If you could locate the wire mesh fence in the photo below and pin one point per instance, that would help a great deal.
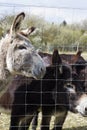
(67, 26)
(61, 28)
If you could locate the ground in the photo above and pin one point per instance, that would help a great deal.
(73, 122)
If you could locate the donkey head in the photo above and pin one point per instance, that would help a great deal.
(17, 54)
(63, 75)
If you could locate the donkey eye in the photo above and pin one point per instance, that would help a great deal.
(70, 85)
(11, 41)
(21, 47)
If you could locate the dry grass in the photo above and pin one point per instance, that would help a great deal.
(84, 55)
(73, 122)
(4, 122)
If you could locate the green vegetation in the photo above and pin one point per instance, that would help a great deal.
(67, 38)
(64, 36)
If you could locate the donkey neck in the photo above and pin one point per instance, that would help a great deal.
(4, 83)
(4, 73)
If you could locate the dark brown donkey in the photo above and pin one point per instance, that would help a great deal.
(50, 95)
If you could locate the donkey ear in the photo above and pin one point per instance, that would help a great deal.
(76, 57)
(27, 31)
(56, 59)
(17, 22)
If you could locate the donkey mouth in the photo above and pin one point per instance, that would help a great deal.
(38, 75)
(34, 74)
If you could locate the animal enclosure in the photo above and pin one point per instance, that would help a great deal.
(63, 29)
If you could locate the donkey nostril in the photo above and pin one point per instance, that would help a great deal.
(41, 69)
(86, 109)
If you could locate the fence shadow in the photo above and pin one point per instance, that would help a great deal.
(77, 128)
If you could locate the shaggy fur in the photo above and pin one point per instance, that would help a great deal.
(18, 56)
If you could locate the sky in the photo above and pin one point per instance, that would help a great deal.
(51, 10)
(57, 3)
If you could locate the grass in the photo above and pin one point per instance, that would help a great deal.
(75, 122)
(72, 122)
(84, 55)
